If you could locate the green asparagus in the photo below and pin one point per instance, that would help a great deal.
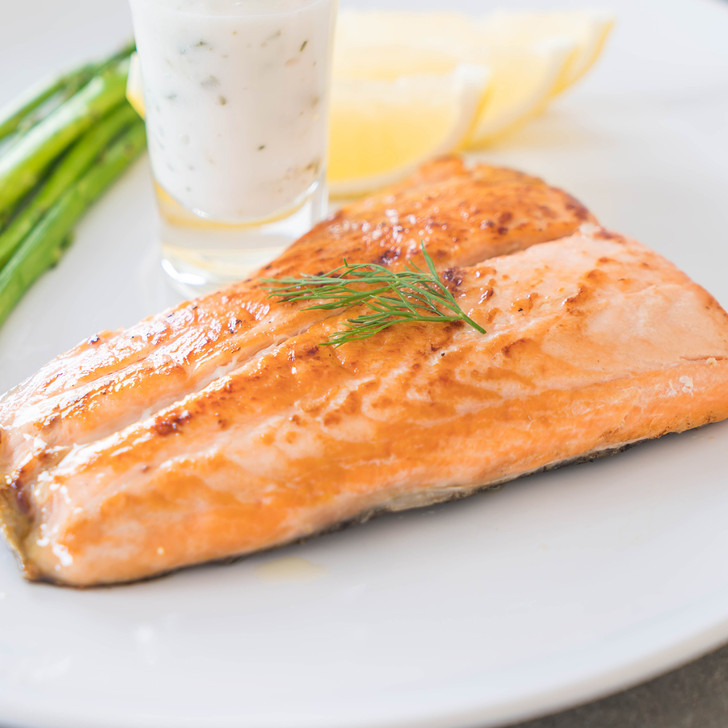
(15, 114)
(71, 166)
(23, 165)
(43, 247)
(20, 115)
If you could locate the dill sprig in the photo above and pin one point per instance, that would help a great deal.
(392, 297)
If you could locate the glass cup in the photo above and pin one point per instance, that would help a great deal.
(236, 97)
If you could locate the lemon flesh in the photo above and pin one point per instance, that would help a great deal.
(382, 130)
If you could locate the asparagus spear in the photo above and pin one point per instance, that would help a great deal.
(45, 244)
(123, 53)
(24, 163)
(16, 112)
(63, 176)
(21, 114)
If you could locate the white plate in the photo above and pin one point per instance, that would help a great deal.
(555, 590)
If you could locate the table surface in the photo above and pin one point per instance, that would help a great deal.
(695, 696)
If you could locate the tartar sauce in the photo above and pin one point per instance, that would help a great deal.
(236, 96)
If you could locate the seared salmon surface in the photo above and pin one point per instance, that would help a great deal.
(112, 380)
(592, 342)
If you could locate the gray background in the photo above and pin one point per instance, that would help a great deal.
(695, 696)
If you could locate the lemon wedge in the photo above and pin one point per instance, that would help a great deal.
(525, 77)
(449, 32)
(389, 61)
(134, 89)
(532, 56)
(383, 129)
(586, 29)
(525, 66)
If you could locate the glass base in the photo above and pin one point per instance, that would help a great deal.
(200, 255)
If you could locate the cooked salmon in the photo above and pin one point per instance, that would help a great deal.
(592, 342)
(113, 380)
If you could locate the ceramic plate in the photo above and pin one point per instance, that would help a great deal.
(554, 590)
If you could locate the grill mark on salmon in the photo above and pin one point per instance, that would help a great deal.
(615, 346)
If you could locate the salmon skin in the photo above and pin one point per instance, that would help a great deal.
(593, 342)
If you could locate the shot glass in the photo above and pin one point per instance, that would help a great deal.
(236, 98)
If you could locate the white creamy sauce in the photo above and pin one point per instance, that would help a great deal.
(236, 95)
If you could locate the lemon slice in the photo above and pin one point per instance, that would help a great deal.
(134, 90)
(446, 31)
(532, 56)
(385, 61)
(587, 29)
(593, 37)
(524, 80)
(383, 129)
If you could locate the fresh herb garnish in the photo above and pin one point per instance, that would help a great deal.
(392, 297)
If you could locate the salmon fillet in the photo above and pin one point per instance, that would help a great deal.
(593, 342)
(113, 380)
